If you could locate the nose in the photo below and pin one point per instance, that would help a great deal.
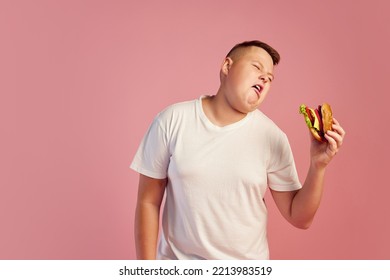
(264, 78)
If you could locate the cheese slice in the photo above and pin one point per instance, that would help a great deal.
(316, 123)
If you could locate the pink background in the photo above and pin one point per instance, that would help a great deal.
(80, 82)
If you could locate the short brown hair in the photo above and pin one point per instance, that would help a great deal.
(255, 43)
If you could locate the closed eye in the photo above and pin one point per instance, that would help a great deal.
(269, 78)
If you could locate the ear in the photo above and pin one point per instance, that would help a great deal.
(226, 65)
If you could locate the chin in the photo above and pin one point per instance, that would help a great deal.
(249, 108)
(254, 106)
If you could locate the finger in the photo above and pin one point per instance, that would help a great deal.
(336, 121)
(332, 145)
(337, 137)
(336, 126)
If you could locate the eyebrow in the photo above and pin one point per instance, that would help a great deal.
(273, 77)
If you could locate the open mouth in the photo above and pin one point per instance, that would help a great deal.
(258, 89)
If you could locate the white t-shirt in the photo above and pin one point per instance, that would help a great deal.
(217, 178)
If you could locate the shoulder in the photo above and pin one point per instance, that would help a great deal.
(267, 125)
(176, 114)
(178, 108)
(269, 131)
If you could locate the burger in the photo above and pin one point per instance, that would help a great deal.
(319, 120)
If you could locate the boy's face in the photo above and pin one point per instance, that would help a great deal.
(247, 78)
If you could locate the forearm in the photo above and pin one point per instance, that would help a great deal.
(307, 200)
(146, 230)
(299, 207)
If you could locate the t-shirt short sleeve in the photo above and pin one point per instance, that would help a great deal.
(282, 174)
(152, 156)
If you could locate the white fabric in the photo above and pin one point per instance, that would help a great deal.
(218, 176)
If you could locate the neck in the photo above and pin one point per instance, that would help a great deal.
(219, 111)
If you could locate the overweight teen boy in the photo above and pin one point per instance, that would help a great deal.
(214, 157)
